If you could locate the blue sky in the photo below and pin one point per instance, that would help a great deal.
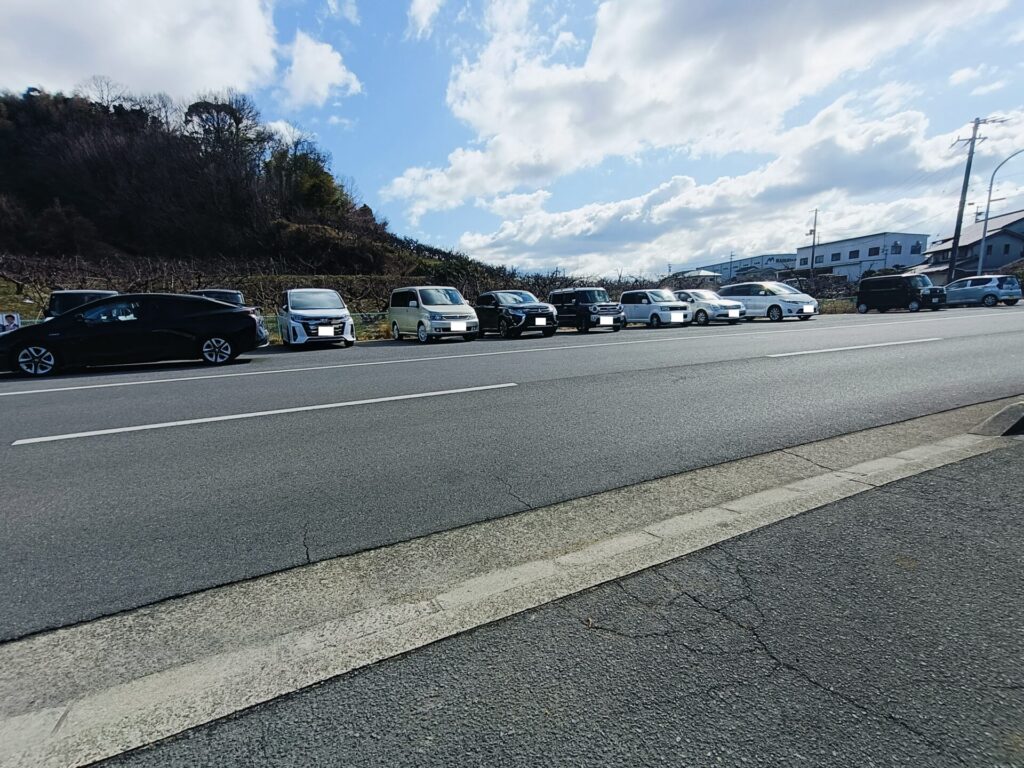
(591, 136)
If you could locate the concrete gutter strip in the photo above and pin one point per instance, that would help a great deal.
(83, 693)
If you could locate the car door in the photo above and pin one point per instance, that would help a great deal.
(282, 315)
(487, 311)
(746, 294)
(629, 306)
(566, 310)
(955, 292)
(115, 331)
(973, 290)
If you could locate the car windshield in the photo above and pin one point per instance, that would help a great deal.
(705, 295)
(592, 296)
(921, 281)
(516, 297)
(435, 297)
(781, 289)
(660, 295)
(316, 300)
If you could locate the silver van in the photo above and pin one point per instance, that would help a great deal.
(431, 312)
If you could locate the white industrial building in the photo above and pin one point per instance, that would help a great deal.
(855, 255)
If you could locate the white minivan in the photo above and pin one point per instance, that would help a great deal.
(776, 301)
(654, 307)
(431, 312)
(314, 316)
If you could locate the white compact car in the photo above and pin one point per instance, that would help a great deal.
(776, 301)
(314, 316)
(654, 307)
(708, 306)
(431, 312)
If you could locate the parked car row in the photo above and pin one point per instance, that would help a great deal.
(86, 328)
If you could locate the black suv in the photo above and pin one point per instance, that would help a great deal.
(511, 313)
(586, 308)
(911, 292)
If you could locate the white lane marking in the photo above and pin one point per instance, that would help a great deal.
(257, 414)
(531, 350)
(859, 346)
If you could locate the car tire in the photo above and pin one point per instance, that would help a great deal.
(35, 360)
(503, 330)
(421, 334)
(914, 306)
(395, 333)
(655, 321)
(750, 319)
(583, 327)
(1011, 302)
(701, 318)
(990, 300)
(775, 313)
(216, 350)
(348, 343)
(863, 309)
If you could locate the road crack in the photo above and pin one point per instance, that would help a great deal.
(305, 542)
(512, 494)
(789, 452)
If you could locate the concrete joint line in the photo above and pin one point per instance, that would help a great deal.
(57, 710)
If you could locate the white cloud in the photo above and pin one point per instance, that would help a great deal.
(181, 47)
(992, 87)
(965, 75)
(315, 74)
(421, 16)
(840, 162)
(288, 132)
(657, 75)
(347, 9)
(893, 96)
(342, 122)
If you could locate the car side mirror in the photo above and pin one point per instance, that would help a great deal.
(413, 304)
(79, 318)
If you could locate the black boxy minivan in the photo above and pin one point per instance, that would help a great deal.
(910, 292)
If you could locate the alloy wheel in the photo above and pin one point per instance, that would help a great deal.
(775, 314)
(36, 361)
(421, 334)
(216, 350)
(701, 318)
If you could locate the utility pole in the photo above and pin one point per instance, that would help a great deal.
(730, 265)
(971, 143)
(814, 240)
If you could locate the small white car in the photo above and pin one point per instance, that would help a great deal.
(431, 312)
(708, 306)
(776, 301)
(314, 316)
(654, 307)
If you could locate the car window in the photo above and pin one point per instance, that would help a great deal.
(439, 297)
(737, 290)
(956, 284)
(1009, 281)
(627, 298)
(486, 301)
(124, 311)
(980, 281)
(661, 295)
(592, 295)
(316, 299)
(781, 289)
(516, 297)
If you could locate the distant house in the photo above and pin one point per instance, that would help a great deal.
(1003, 245)
(853, 256)
(747, 266)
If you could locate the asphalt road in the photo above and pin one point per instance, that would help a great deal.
(883, 630)
(98, 524)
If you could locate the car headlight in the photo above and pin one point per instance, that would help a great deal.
(516, 312)
(295, 319)
(436, 317)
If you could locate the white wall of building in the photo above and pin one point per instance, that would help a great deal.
(854, 256)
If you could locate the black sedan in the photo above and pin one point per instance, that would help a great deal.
(511, 313)
(134, 328)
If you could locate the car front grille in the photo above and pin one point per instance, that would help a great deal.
(456, 317)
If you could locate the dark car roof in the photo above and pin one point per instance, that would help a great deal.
(581, 288)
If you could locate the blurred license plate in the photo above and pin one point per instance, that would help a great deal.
(458, 325)
(677, 317)
(325, 330)
(606, 321)
(809, 309)
(540, 321)
(734, 313)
